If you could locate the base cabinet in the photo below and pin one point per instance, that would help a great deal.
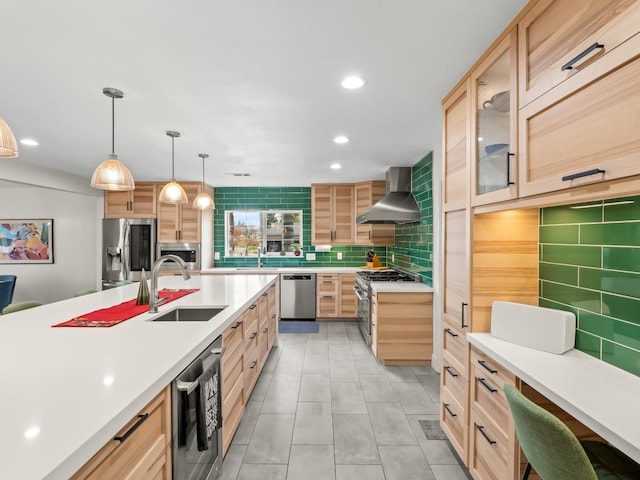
(335, 296)
(144, 453)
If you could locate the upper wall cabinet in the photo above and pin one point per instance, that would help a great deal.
(138, 203)
(366, 194)
(494, 124)
(332, 214)
(180, 223)
(559, 39)
(456, 141)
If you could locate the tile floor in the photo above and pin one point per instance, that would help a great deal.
(325, 409)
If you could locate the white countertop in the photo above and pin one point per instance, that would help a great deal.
(54, 378)
(603, 397)
(405, 287)
(245, 270)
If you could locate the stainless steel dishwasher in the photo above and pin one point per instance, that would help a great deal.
(298, 296)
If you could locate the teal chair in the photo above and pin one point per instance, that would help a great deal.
(555, 453)
(16, 307)
(86, 291)
(7, 286)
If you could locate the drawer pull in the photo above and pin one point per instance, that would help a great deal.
(586, 173)
(253, 335)
(446, 407)
(486, 385)
(580, 56)
(448, 330)
(484, 365)
(264, 294)
(252, 306)
(486, 437)
(462, 319)
(127, 434)
(266, 329)
(233, 327)
(509, 155)
(451, 371)
(253, 364)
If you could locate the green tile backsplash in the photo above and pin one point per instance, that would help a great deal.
(414, 242)
(590, 265)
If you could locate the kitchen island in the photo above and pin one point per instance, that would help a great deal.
(71, 389)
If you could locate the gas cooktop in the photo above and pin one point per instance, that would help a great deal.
(396, 275)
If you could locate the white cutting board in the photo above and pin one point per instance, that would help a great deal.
(545, 329)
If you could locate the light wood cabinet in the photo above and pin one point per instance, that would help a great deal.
(403, 327)
(332, 214)
(366, 194)
(142, 449)
(138, 203)
(335, 296)
(456, 142)
(232, 367)
(348, 299)
(273, 314)
(264, 325)
(180, 223)
(556, 34)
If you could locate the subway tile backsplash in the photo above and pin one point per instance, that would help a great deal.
(590, 265)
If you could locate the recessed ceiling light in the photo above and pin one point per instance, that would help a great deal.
(341, 139)
(352, 83)
(336, 166)
(108, 380)
(480, 139)
(29, 141)
(32, 432)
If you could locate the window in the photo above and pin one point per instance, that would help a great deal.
(275, 232)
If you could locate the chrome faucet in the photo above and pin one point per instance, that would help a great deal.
(154, 301)
(259, 254)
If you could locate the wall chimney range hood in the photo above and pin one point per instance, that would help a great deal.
(398, 205)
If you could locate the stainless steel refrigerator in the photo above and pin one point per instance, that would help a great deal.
(128, 246)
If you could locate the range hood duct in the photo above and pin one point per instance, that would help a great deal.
(398, 205)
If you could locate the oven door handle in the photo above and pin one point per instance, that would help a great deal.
(358, 292)
(189, 387)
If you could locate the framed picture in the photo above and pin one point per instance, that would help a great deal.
(26, 241)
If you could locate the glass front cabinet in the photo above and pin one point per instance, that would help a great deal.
(493, 124)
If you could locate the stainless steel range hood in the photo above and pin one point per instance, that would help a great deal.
(398, 205)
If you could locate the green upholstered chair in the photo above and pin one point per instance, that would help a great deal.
(7, 286)
(554, 451)
(16, 307)
(86, 291)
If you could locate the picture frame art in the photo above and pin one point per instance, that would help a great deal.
(26, 241)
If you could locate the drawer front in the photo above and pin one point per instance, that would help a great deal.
(251, 368)
(327, 306)
(491, 369)
(453, 380)
(327, 284)
(453, 421)
(230, 378)
(234, 344)
(263, 309)
(250, 331)
(455, 345)
(263, 344)
(490, 398)
(231, 419)
(555, 32)
(489, 459)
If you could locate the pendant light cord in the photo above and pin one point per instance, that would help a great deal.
(113, 126)
(203, 174)
(173, 161)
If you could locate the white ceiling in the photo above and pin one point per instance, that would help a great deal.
(253, 83)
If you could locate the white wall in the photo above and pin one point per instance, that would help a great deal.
(77, 228)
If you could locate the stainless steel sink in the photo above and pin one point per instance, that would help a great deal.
(186, 314)
(257, 269)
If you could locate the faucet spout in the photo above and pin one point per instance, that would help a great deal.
(154, 301)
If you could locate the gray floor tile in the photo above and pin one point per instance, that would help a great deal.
(405, 463)
(437, 452)
(400, 374)
(368, 365)
(271, 439)
(316, 363)
(232, 462)
(449, 472)
(431, 385)
(251, 471)
(311, 462)
(315, 388)
(377, 389)
(358, 347)
(261, 388)
(354, 440)
(314, 424)
(272, 360)
(414, 399)
(347, 398)
(390, 425)
(282, 397)
(359, 472)
(247, 423)
(343, 370)
(318, 347)
(340, 352)
(423, 370)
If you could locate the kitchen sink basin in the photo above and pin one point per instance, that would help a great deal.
(257, 269)
(186, 314)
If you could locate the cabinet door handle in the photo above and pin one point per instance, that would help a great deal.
(462, 316)
(252, 306)
(486, 437)
(264, 294)
(253, 335)
(134, 427)
(450, 332)
(446, 407)
(451, 371)
(580, 56)
(176, 235)
(233, 327)
(253, 364)
(509, 155)
(369, 234)
(484, 365)
(266, 329)
(486, 385)
(586, 173)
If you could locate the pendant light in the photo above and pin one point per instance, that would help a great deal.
(112, 174)
(203, 201)
(173, 192)
(8, 145)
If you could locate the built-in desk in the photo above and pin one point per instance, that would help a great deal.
(601, 396)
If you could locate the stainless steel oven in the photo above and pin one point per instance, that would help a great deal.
(191, 461)
(189, 252)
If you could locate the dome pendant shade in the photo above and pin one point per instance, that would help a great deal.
(203, 201)
(173, 192)
(8, 145)
(112, 174)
